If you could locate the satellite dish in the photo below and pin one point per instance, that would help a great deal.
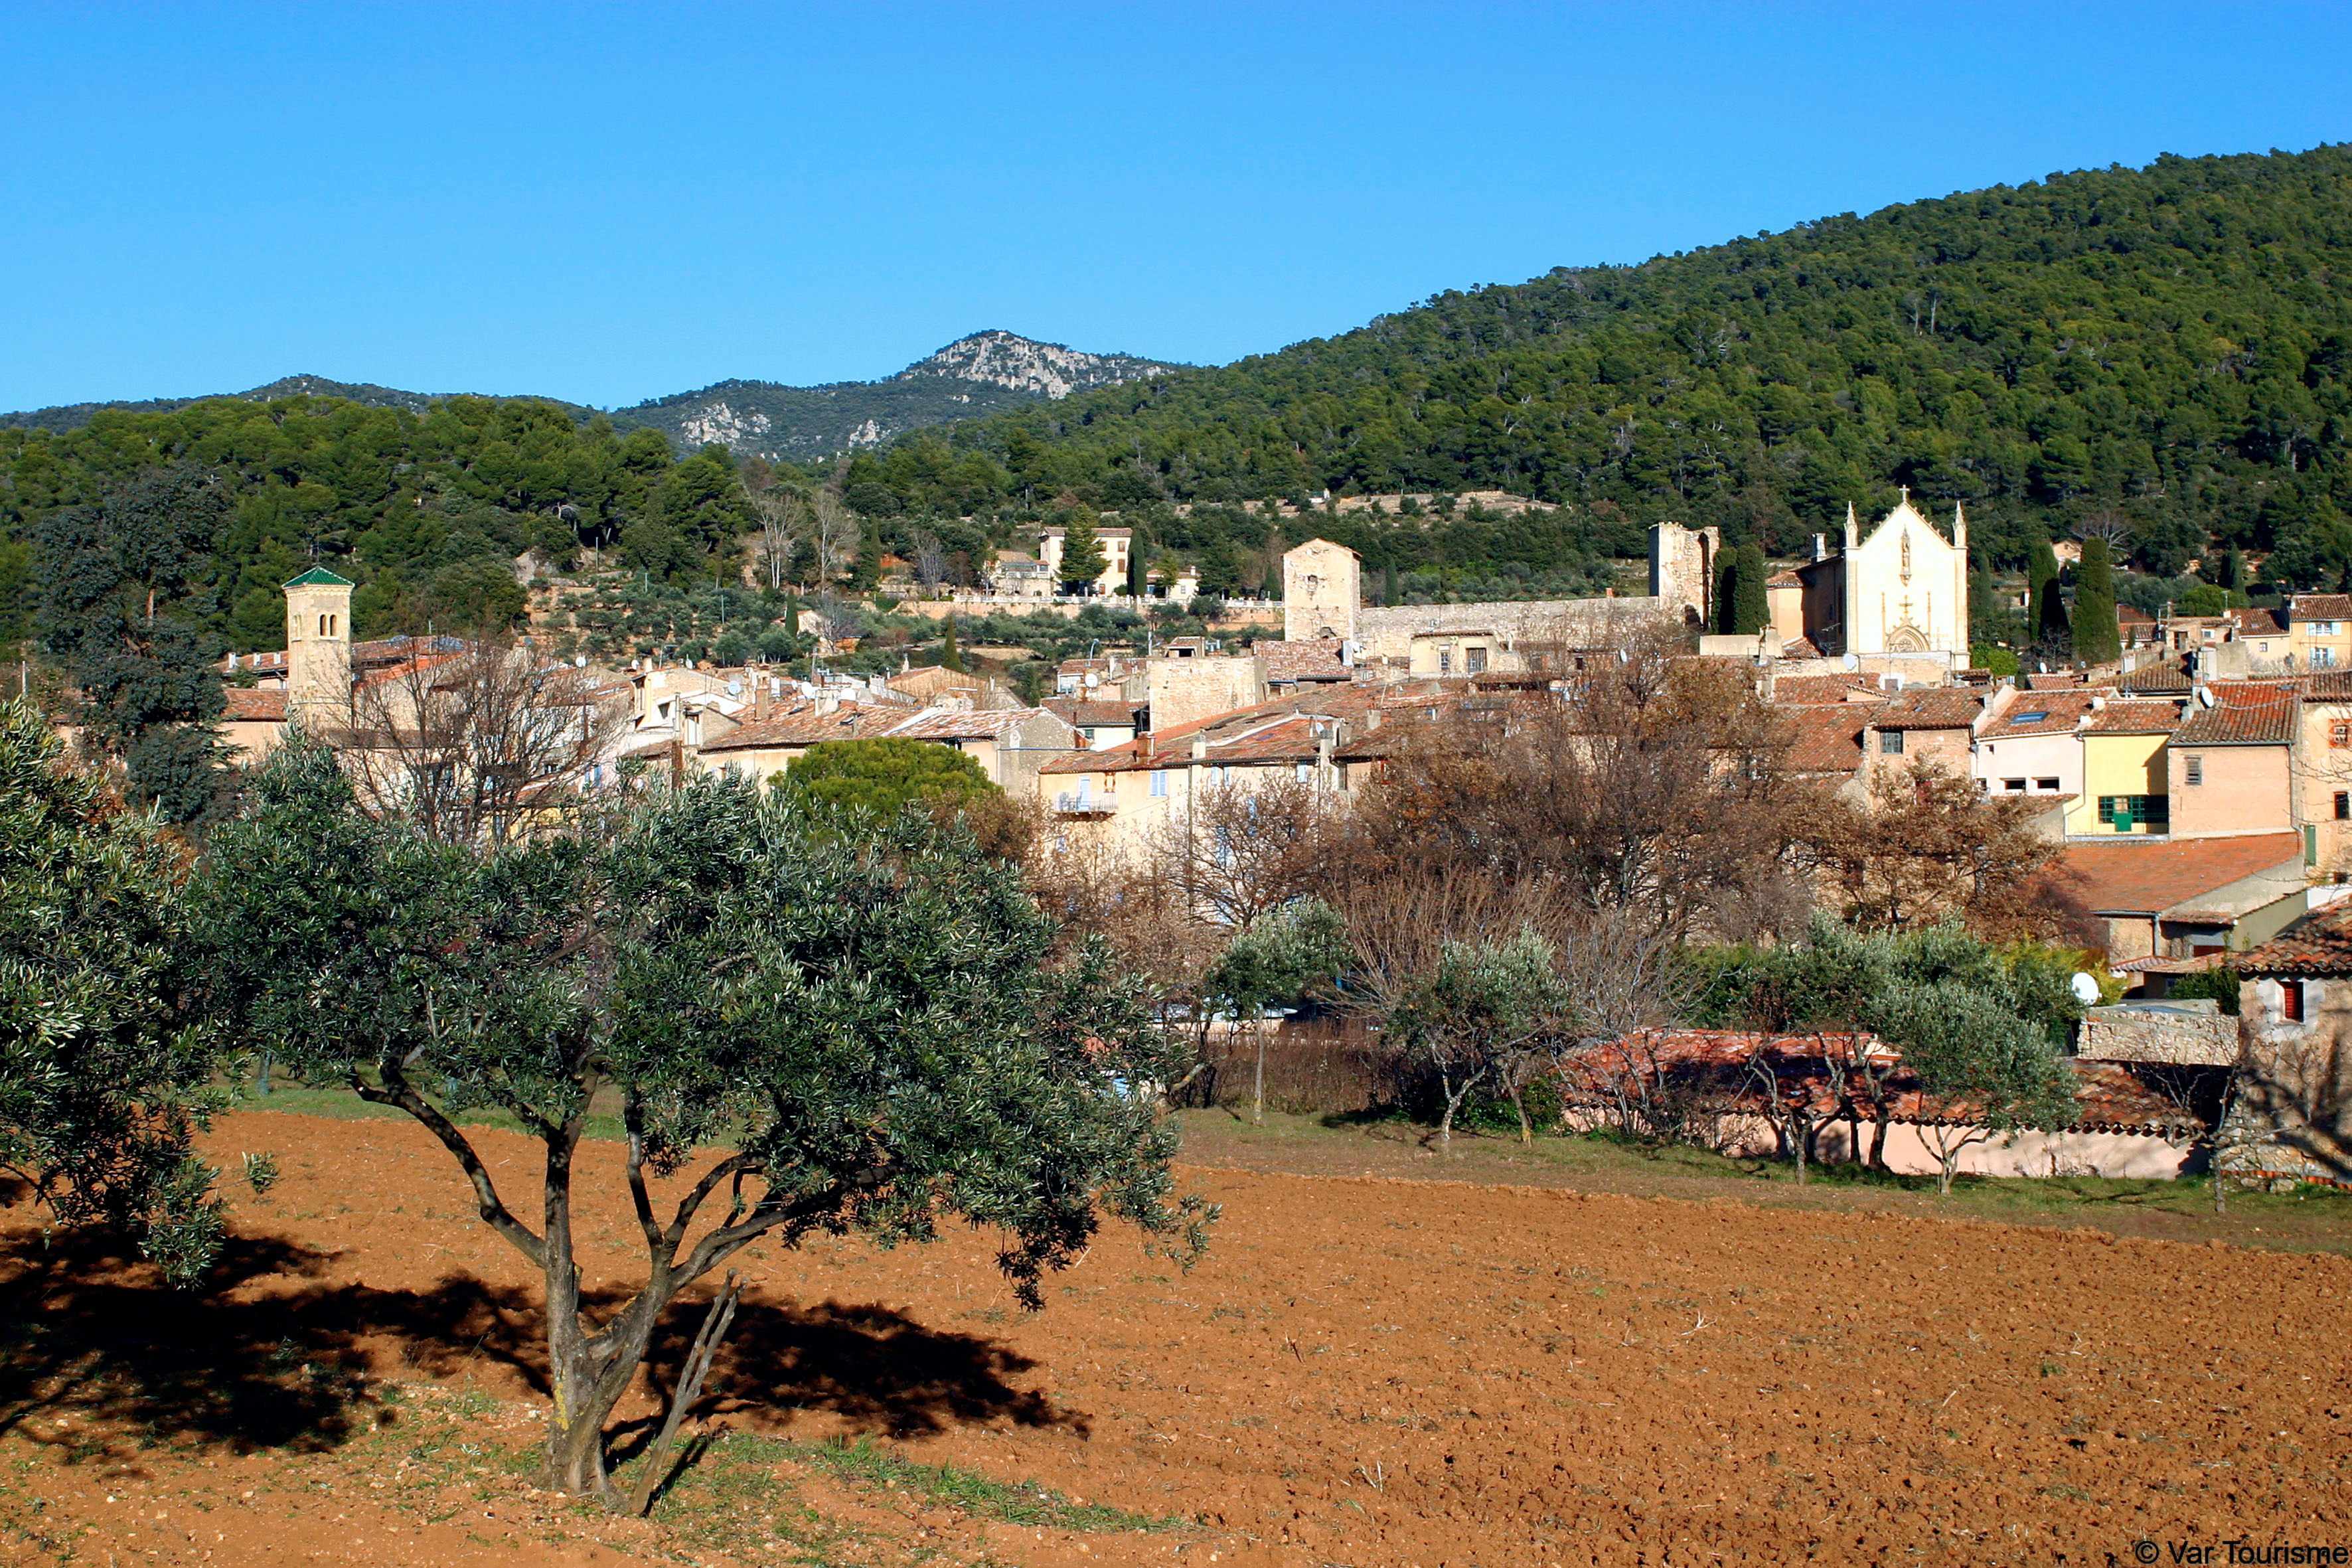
(734, 688)
(1093, 681)
(578, 661)
(2086, 989)
(2205, 696)
(1852, 662)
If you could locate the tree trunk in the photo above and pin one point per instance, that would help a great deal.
(1878, 1139)
(1258, 1085)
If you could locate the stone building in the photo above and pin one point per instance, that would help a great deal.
(1901, 594)
(319, 649)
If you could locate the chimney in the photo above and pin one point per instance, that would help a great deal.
(1821, 547)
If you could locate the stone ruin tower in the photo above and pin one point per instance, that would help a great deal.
(1322, 585)
(1681, 571)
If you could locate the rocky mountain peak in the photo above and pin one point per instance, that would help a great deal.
(998, 358)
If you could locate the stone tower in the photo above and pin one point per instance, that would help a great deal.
(1322, 585)
(319, 649)
(1681, 571)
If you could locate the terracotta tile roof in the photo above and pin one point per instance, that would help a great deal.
(252, 705)
(1936, 708)
(2327, 686)
(2108, 1096)
(2056, 680)
(2318, 943)
(2256, 623)
(2320, 608)
(2043, 713)
(1805, 690)
(2133, 615)
(1315, 658)
(984, 724)
(1172, 747)
(2150, 680)
(2240, 716)
(803, 725)
(1800, 647)
(1784, 580)
(2148, 716)
(1827, 739)
(1080, 711)
(2144, 876)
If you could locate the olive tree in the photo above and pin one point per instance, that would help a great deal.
(833, 1033)
(105, 1074)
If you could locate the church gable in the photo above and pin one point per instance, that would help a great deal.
(1906, 585)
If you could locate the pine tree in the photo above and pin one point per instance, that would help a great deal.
(1751, 607)
(2095, 638)
(1082, 552)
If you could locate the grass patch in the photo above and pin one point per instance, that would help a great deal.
(728, 1497)
(1019, 1502)
(1605, 1160)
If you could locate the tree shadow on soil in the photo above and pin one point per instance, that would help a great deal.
(97, 1351)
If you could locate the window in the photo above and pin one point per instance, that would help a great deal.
(2323, 658)
(2123, 812)
(1890, 742)
(1307, 773)
(1444, 662)
(2339, 733)
(2035, 718)
(2047, 787)
(1474, 660)
(2014, 787)
(1160, 783)
(2192, 771)
(2290, 1001)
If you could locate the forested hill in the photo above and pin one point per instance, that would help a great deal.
(2170, 344)
(64, 416)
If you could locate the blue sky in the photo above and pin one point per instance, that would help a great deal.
(608, 203)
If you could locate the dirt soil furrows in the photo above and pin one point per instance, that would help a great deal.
(1366, 1371)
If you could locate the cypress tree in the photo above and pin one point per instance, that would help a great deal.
(2096, 639)
(951, 650)
(1752, 608)
(1727, 592)
(2045, 609)
(1388, 584)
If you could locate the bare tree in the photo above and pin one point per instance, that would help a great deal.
(930, 560)
(837, 536)
(1242, 851)
(1927, 846)
(1648, 787)
(477, 742)
(787, 519)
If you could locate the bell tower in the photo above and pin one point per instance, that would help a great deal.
(319, 649)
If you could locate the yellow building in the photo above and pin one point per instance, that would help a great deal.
(2127, 766)
(2319, 631)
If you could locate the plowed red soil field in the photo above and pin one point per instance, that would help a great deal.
(1364, 1371)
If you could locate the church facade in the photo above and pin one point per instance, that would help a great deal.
(1903, 590)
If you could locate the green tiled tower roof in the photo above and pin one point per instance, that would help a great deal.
(319, 577)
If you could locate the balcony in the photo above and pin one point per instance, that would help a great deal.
(1079, 802)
